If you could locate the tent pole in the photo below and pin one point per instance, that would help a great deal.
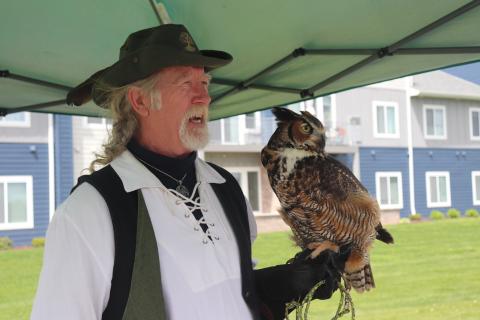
(4, 111)
(403, 51)
(161, 12)
(390, 50)
(256, 86)
(247, 83)
(438, 50)
(9, 75)
(469, 6)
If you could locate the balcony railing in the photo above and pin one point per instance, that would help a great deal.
(342, 134)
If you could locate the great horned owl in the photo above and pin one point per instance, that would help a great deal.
(324, 204)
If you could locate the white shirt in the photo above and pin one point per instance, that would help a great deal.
(201, 279)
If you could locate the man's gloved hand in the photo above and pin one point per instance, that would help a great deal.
(281, 284)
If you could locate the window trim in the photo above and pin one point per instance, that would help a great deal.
(425, 132)
(257, 128)
(241, 136)
(470, 122)
(244, 186)
(476, 202)
(29, 224)
(27, 123)
(384, 104)
(428, 175)
(389, 174)
(318, 107)
(103, 125)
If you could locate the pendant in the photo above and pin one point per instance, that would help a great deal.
(182, 190)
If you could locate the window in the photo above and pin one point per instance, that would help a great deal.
(235, 129)
(19, 119)
(94, 122)
(252, 122)
(230, 130)
(476, 187)
(249, 181)
(16, 202)
(438, 189)
(389, 190)
(323, 108)
(434, 122)
(474, 123)
(385, 118)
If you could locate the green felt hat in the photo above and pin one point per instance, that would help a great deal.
(144, 53)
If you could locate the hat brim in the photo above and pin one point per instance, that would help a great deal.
(142, 64)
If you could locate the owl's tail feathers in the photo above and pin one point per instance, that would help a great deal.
(361, 280)
(383, 235)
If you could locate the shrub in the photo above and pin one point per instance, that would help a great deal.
(416, 217)
(38, 242)
(436, 215)
(471, 213)
(453, 213)
(404, 220)
(5, 243)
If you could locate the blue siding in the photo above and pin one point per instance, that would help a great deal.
(63, 157)
(385, 159)
(459, 162)
(17, 159)
(345, 158)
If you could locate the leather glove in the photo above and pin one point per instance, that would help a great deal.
(281, 284)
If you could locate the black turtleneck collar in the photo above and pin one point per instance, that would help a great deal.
(176, 167)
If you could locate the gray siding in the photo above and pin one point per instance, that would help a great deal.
(359, 103)
(36, 133)
(457, 117)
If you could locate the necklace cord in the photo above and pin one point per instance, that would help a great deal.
(180, 187)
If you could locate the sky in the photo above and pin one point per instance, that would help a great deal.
(469, 72)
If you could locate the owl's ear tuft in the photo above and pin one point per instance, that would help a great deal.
(312, 119)
(283, 114)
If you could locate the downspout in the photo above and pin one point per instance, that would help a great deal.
(411, 174)
(51, 168)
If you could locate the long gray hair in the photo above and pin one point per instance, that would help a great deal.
(123, 116)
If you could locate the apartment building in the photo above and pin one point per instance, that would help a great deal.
(413, 142)
(35, 172)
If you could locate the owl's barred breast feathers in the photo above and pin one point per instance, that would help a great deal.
(322, 200)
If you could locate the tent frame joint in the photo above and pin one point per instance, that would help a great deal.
(306, 93)
(4, 73)
(381, 53)
(299, 52)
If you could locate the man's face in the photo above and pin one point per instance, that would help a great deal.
(181, 119)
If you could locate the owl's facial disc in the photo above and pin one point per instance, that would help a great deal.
(299, 133)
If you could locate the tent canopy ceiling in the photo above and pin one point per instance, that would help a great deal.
(284, 51)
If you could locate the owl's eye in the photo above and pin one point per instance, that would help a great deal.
(305, 128)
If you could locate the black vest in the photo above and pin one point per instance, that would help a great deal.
(123, 212)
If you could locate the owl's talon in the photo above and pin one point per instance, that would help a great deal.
(319, 247)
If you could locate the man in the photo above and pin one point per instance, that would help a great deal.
(158, 233)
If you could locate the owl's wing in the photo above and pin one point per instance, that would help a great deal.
(335, 180)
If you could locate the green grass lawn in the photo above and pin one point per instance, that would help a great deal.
(431, 272)
(19, 271)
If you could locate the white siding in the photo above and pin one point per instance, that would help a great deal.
(86, 141)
